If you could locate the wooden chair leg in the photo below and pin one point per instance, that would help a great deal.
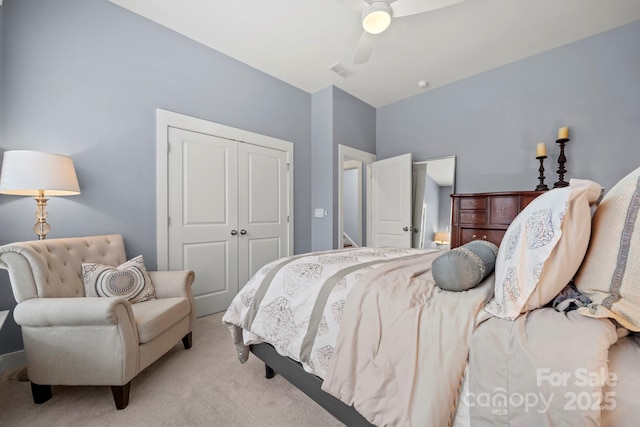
(40, 393)
(187, 340)
(269, 372)
(121, 395)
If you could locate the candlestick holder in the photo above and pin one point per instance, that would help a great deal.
(542, 186)
(561, 162)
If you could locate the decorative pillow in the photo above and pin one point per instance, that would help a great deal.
(543, 248)
(464, 267)
(129, 281)
(610, 272)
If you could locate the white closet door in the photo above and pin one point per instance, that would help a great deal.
(262, 208)
(203, 214)
(391, 202)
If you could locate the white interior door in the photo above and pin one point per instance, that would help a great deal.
(391, 202)
(203, 214)
(263, 208)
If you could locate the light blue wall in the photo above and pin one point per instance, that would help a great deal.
(432, 200)
(84, 78)
(321, 168)
(338, 118)
(493, 121)
(354, 124)
(9, 333)
(444, 208)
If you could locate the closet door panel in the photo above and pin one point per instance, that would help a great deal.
(203, 212)
(262, 207)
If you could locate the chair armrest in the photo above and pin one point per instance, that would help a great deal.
(170, 284)
(73, 312)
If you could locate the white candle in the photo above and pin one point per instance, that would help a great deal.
(541, 149)
(563, 133)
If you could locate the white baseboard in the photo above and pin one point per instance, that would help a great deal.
(10, 361)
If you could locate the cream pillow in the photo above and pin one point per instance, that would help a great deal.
(610, 273)
(129, 281)
(543, 248)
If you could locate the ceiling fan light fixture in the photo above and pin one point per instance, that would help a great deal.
(377, 17)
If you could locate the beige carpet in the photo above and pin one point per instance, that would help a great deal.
(203, 386)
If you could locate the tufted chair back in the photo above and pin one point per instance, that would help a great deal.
(53, 268)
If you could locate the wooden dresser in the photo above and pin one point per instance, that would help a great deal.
(486, 215)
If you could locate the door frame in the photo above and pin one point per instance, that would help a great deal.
(346, 153)
(166, 119)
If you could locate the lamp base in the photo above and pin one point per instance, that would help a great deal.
(41, 227)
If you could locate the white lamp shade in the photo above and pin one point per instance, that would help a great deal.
(25, 173)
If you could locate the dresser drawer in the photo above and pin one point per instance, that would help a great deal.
(492, 235)
(503, 209)
(473, 217)
(473, 203)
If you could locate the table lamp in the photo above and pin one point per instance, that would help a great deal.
(441, 238)
(38, 174)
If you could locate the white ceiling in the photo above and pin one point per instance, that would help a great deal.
(298, 40)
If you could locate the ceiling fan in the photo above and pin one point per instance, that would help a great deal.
(376, 17)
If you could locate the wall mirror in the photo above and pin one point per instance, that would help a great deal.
(433, 183)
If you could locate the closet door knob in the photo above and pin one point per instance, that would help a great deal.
(405, 228)
(234, 232)
(243, 231)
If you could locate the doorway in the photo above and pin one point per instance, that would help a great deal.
(352, 186)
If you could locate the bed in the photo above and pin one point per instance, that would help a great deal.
(540, 331)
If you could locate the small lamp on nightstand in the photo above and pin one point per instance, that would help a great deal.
(441, 238)
(38, 174)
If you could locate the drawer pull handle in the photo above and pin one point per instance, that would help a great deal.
(475, 236)
(484, 237)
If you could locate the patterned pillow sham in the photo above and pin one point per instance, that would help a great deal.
(129, 281)
(610, 273)
(543, 248)
(464, 267)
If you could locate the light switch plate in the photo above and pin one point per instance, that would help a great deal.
(319, 213)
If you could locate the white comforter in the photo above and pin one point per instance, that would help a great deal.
(371, 323)
(297, 303)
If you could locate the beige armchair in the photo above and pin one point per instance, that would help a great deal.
(70, 339)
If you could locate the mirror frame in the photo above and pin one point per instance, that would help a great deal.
(453, 184)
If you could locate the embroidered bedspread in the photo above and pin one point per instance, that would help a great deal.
(297, 303)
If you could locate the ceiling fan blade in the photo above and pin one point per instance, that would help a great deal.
(357, 5)
(364, 48)
(413, 7)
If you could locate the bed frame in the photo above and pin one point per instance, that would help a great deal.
(309, 384)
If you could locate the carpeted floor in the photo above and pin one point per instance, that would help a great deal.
(203, 386)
